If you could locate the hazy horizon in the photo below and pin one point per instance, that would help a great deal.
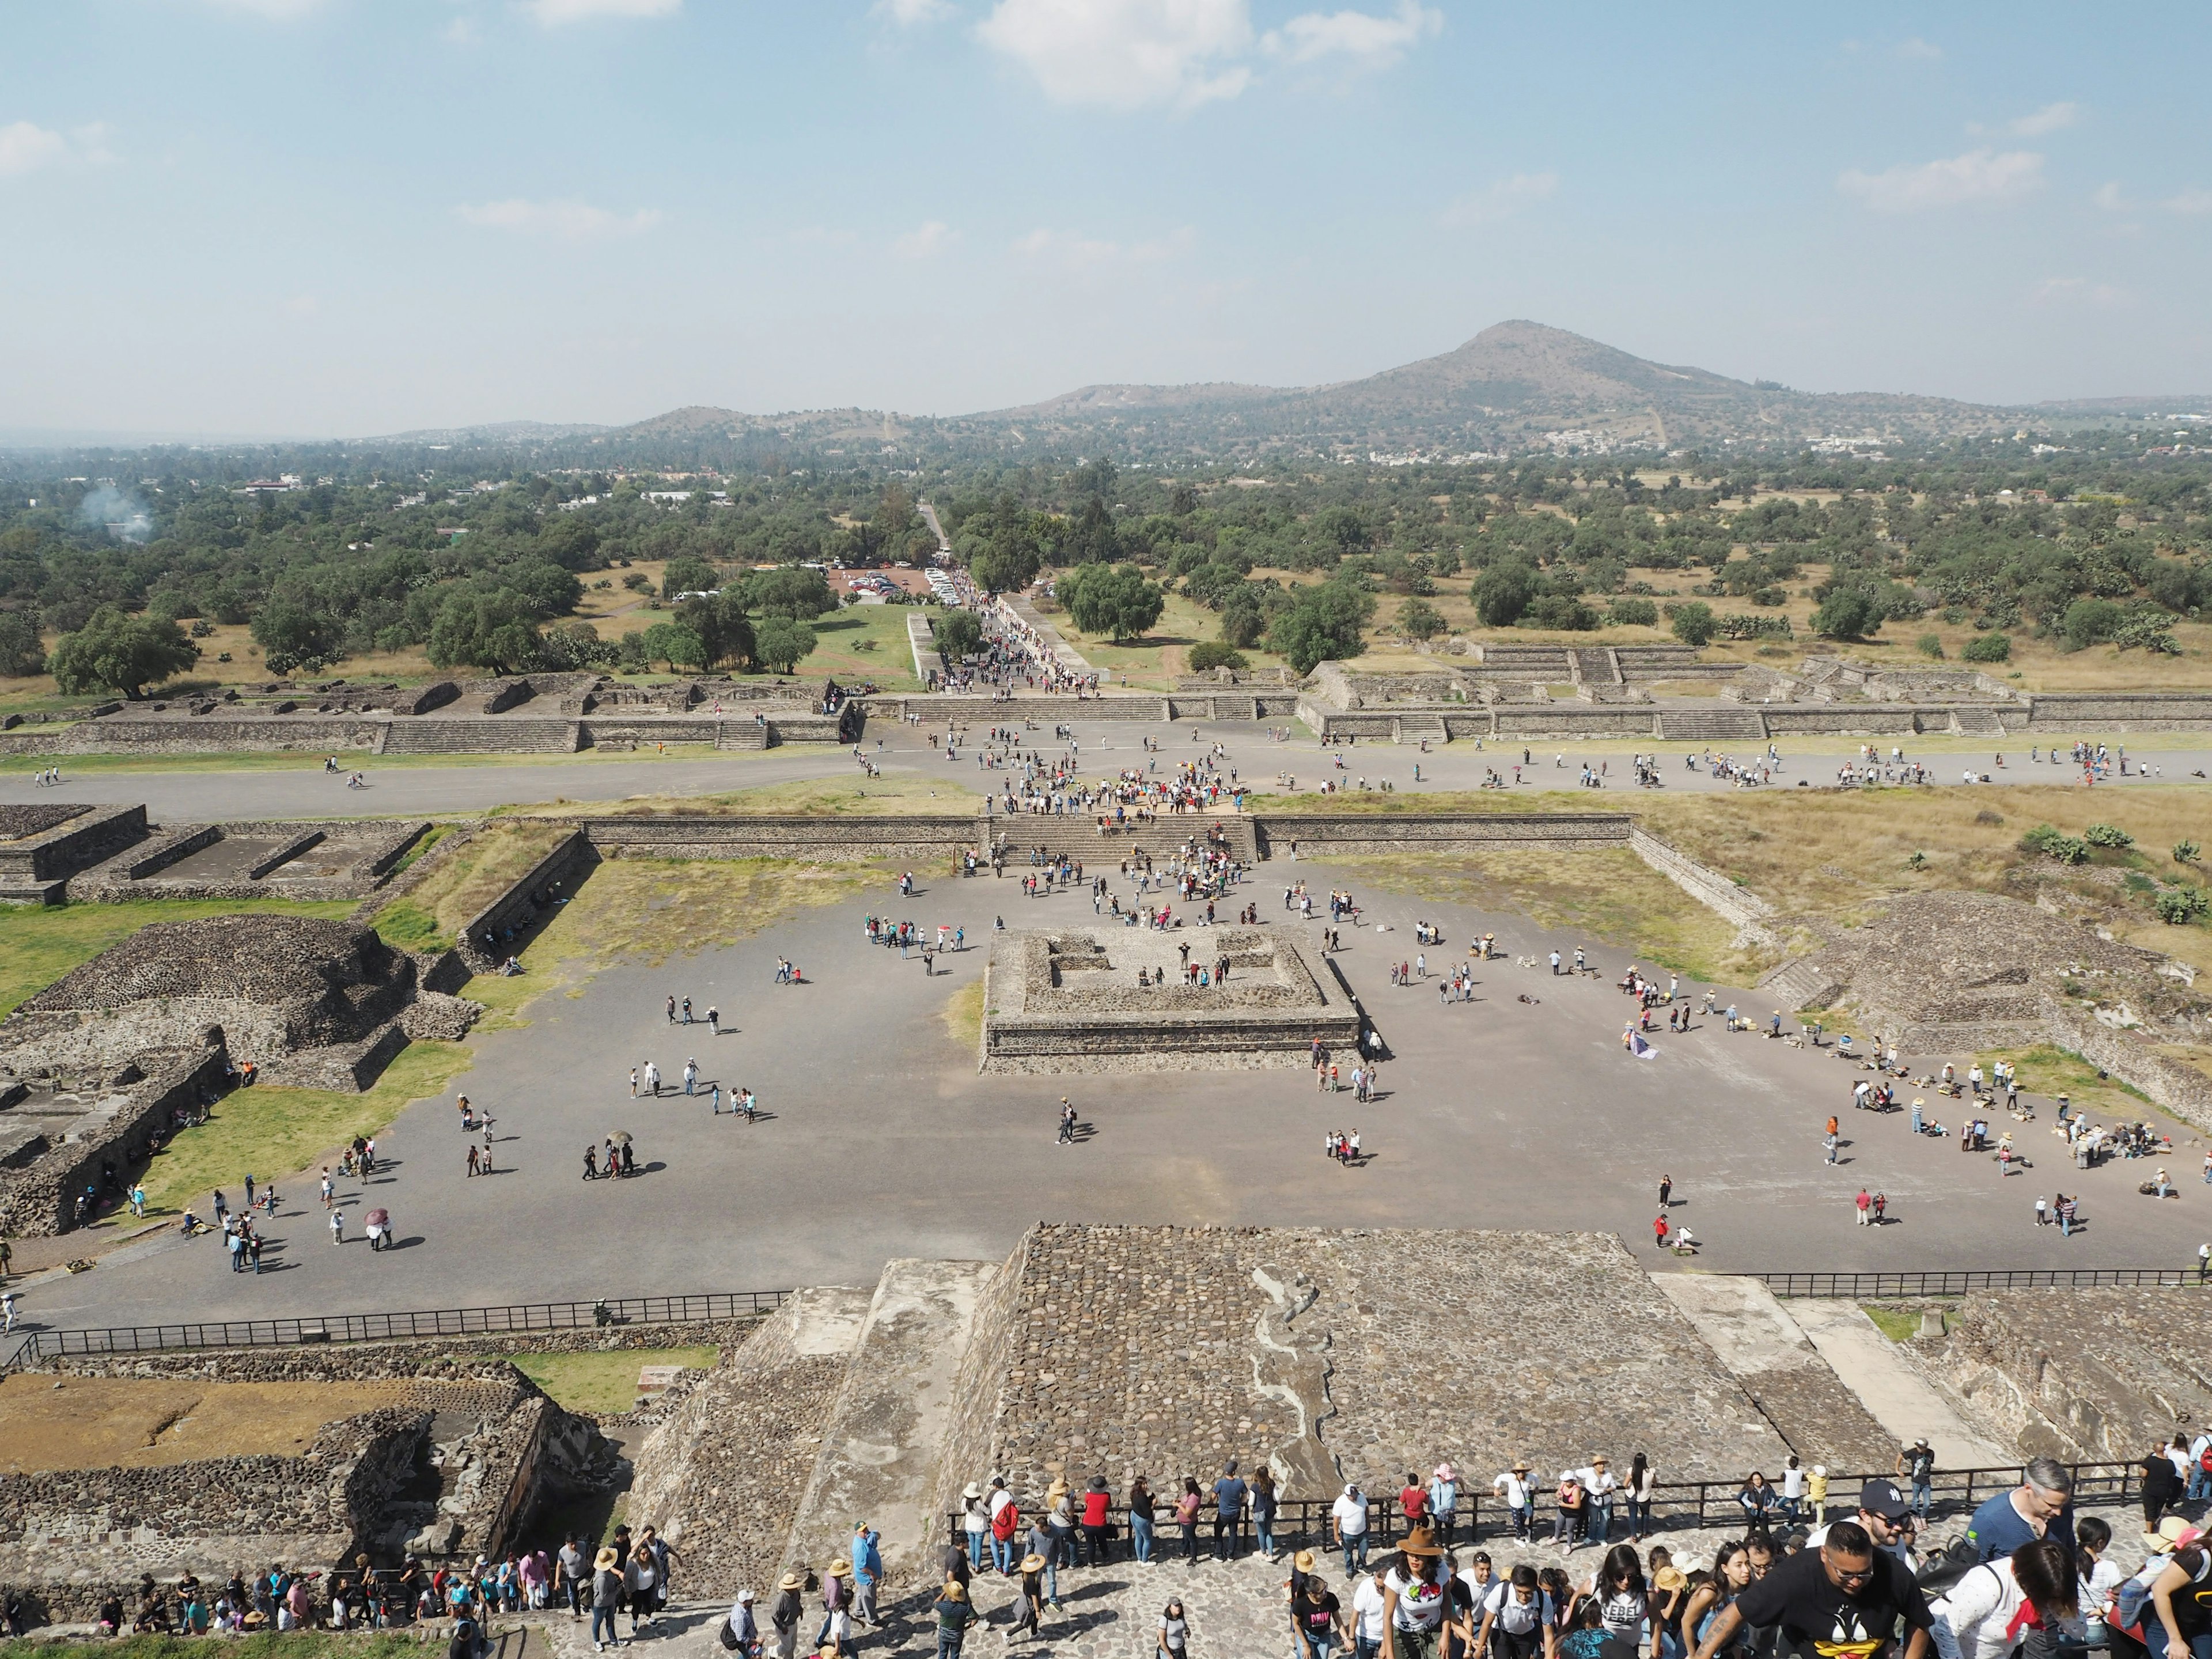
(331, 218)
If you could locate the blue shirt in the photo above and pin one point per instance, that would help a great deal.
(1998, 1529)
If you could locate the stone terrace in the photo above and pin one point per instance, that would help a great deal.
(1168, 1350)
(2088, 1374)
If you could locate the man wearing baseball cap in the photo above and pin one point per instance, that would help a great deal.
(1882, 1511)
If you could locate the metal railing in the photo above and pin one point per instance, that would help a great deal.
(1964, 1281)
(609, 1312)
(1304, 1523)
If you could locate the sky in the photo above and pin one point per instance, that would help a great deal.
(347, 217)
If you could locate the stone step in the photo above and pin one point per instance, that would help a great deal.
(741, 734)
(1593, 666)
(1411, 728)
(1711, 725)
(1977, 723)
(1076, 836)
(884, 1438)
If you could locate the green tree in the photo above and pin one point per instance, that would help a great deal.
(1849, 613)
(1930, 645)
(958, 633)
(1000, 568)
(1320, 624)
(779, 642)
(1634, 613)
(119, 652)
(1114, 600)
(20, 654)
(494, 630)
(677, 646)
(1989, 647)
(688, 575)
(725, 633)
(792, 591)
(1694, 623)
(289, 634)
(1419, 620)
(1092, 538)
(1501, 593)
(1209, 654)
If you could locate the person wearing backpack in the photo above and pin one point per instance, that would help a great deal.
(2016, 1604)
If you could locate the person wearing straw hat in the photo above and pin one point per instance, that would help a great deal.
(955, 1614)
(606, 1596)
(836, 1603)
(1414, 1605)
(783, 1618)
(1029, 1598)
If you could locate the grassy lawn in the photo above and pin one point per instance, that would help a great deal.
(865, 643)
(39, 945)
(2050, 1071)
(603, 1383)
(276, 1131)
(658, 908)
(1898, 1324)
(432, 916)
(885, 797)
(1605, 892)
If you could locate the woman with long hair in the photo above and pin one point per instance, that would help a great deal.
(1984, 1615)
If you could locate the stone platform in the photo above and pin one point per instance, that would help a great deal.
(1116, 998)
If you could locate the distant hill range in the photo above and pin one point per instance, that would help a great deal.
(1515, 387)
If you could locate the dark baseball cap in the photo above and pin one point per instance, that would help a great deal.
(1882, 1498)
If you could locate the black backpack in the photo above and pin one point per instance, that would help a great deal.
(1943, 1568)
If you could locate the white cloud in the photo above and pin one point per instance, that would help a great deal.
(1377, 41)
(2050, 119)
(912, 13)
(2109, 198)
(926, 239)
(2077, 292)
(1919, 50)
(2191, 200)
(1124, 54)
(1979, 175)
(553, 12)
(25, 147)
(1501, 200)
(1079, 254)
(567, 222)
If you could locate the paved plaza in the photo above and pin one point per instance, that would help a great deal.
(877, 1137)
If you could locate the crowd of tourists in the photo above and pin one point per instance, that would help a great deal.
(2027, 1578)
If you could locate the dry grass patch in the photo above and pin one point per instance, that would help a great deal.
(1606, 893)
(433, 914)
(658, 908)
(2050, 1071)
(1843, 854)
(963, 1016)
(105, 1422)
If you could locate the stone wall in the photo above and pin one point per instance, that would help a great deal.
(2084, 1375)
(817, 840)
(38, 856)
(564, 867)
(723, 1476)
(1750, 913)
(1323, 835)
(1333, 1355)
(36, 1200)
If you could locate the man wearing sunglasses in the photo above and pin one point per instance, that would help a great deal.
(1844, 1600)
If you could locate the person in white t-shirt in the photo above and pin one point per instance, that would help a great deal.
(1793, 1490)
(1367, 1614)
(1520, 1498)
(1348, 1515)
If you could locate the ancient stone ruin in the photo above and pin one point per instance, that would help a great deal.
(1099, 998)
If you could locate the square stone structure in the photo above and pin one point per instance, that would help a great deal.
(1069, 1000)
